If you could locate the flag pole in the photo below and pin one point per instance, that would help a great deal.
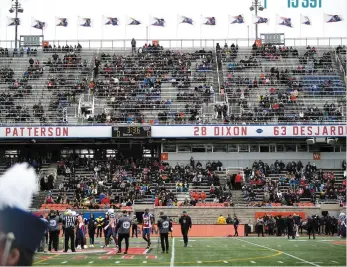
(228, 27)
(78, 21)
(300, 28)
(6, 34)
(323, 27)
(102, 28)
(200, 31)
(177, 30)
(55, 32)
(125, 31)
(177, 27)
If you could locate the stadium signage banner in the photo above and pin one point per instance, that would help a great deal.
(253, 131)
(56, 132)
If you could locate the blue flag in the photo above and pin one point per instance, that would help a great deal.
(112, 21)
(40, 25)
(286, 22)
(134, 22)
(61, 22)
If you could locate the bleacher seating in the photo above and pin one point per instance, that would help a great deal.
(305, 187)
(174, 86)
(285, 85)
(156, 86)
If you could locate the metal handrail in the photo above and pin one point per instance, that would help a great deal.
(181, 43)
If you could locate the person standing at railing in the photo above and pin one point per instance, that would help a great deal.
(133, 46)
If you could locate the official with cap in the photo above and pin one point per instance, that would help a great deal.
(69, 222)
(164, 225)
(186, 224)
(17, 243)
(123, 230)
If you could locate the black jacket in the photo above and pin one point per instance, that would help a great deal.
(311, 223)
(185, 222)
(290, 223)
(92, 225)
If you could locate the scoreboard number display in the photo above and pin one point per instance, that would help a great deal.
(305, 3)
(297, 3)
(131, 132)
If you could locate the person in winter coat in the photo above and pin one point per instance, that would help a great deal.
(91, 229)
(186, 224)
(164, 225)
(221, 220)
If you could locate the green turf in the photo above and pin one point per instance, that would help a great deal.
(245, 251)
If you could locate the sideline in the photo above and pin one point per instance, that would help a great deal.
(48, 258)
(290, 255)
(172, 253)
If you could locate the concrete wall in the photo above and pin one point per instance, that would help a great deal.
(245, 214)
(329, 160)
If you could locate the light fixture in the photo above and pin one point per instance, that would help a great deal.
(11, 10)
(261, 8)
(20, 10)
(251, 8)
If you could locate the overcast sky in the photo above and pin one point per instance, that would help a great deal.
(47, 10)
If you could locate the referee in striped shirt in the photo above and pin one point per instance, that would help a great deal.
(69, 222)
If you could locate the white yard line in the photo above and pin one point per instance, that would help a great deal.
(280, 261)
(334, 261)
(225, 261)
(199, 262)
(290, 255)
(117, 262)
(144, 262)
(253, 262)
(64, 262)
(172, 261)
(91, 262)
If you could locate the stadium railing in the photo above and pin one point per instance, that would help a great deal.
(182, 43)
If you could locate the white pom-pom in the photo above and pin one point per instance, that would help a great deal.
(17, 187)
(110, 211)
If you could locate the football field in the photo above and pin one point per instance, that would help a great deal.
(243, 251)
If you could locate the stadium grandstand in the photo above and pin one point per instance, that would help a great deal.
(250, 130)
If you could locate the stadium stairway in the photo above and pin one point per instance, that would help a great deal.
(182, 196)
(40, 198)
(237, 197)
(339, 69)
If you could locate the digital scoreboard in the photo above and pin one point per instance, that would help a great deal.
(297, 3)
(131, 132)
